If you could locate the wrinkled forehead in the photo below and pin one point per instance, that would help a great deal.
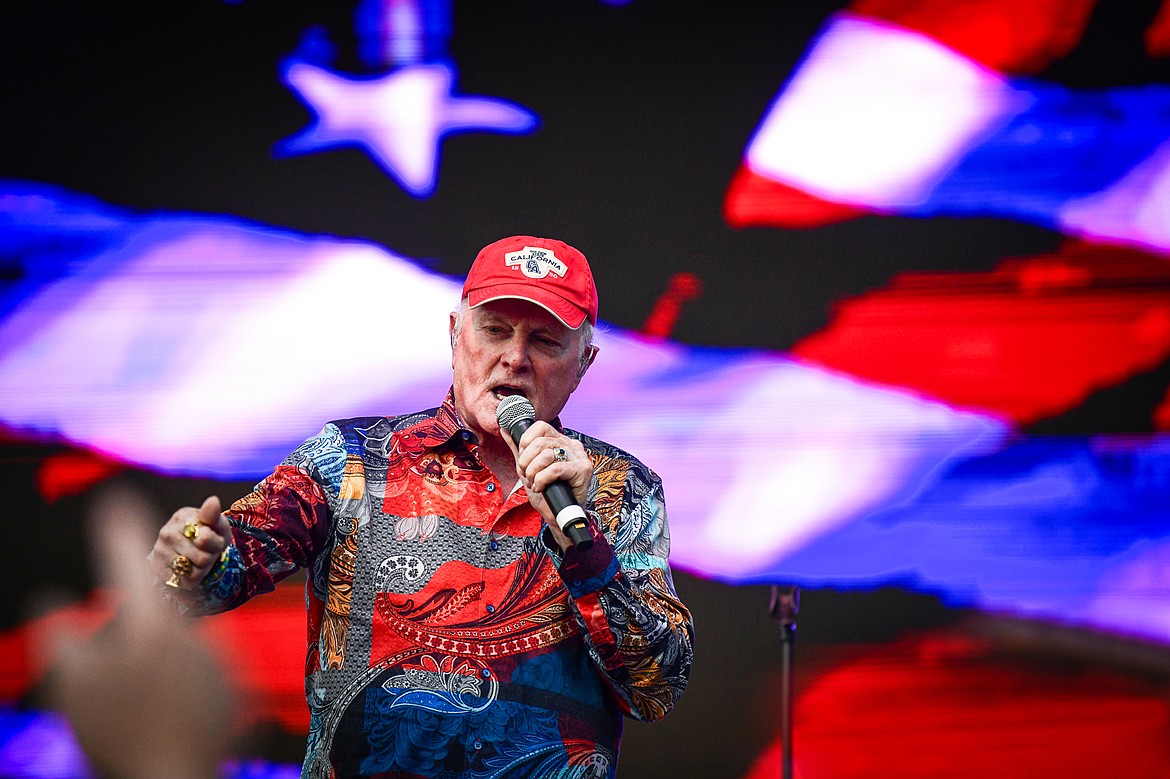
(516, 312)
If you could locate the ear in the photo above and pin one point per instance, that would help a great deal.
(589, 358)
(451, 336)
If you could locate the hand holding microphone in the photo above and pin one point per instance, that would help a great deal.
(515, 415)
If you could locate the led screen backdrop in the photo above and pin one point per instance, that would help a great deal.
(885, 284)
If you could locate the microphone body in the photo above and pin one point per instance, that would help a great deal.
(515, 415)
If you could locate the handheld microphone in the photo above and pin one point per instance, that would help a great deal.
(515, 415)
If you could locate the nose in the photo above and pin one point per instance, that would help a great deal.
(515, 356)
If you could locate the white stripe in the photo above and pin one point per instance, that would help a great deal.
(877, 114)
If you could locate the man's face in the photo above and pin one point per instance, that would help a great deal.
(509, 347)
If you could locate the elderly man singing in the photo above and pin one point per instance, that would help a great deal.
(454, 629)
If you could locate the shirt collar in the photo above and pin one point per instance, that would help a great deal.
(439, 427)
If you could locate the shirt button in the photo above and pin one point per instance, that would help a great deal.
(486, 673)
(576, 582)
(491, 609)
(465, 435)
(494, 545)
(477, 744)
(491, 487)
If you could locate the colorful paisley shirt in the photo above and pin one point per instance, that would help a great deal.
(448, 636)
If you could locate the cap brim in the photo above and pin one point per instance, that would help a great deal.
(568, 314)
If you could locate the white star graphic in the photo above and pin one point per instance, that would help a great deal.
(398, 118)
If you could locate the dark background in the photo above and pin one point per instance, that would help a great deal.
(645, 111)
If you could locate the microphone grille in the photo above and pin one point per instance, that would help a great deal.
(512, 409)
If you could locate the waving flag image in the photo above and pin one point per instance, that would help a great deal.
(919, 109)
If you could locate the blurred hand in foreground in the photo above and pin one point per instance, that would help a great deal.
(146, 696)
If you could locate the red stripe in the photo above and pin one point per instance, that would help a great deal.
(598, 628)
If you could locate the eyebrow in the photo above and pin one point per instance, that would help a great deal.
(554, 330)
(546, 329)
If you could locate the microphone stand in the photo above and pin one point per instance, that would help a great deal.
(783, 608)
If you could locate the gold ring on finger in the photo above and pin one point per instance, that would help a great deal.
(180, 566)
(191, 530)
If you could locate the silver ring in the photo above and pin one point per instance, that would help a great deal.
(560, 455)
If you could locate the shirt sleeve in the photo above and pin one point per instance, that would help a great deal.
(278, 528)
(640, 635)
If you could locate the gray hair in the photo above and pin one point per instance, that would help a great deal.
(586, 331)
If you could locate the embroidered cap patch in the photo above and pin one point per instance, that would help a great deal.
(536, 263)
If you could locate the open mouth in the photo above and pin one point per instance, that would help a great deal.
(505, 390)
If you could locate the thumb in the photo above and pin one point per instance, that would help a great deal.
(511, 444)
(209, 512)
(211, 515)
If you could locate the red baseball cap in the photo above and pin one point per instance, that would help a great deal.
(544, 271)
